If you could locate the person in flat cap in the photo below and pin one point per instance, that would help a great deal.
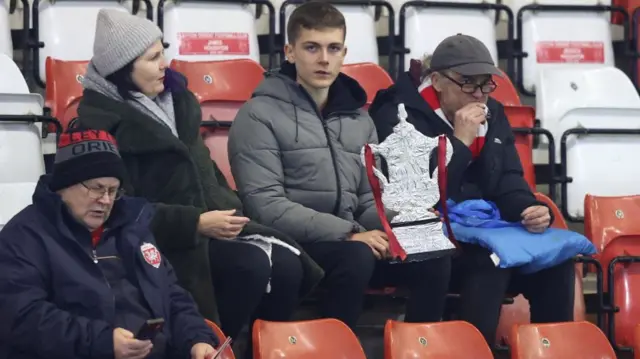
(80, 273)
(449, 93)
(130, 91)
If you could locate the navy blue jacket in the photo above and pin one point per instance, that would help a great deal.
(55, 301)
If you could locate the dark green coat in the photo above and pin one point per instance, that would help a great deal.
(179, 176)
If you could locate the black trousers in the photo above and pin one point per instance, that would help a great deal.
(350, 268)
(483, 287)
(240, 273)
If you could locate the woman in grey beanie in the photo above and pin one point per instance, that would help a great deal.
(199, 225)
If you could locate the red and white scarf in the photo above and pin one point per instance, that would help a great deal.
(428, 93)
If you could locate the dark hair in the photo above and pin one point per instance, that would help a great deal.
(314, 15)
(123, 81)
(173, 81)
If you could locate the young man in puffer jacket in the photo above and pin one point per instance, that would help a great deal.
(295, 149)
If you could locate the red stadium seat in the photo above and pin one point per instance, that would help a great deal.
(523, 117)
(559, 341)
(313, 339)
(451, 340)
(227, 353)
(221, 87)
(370, 76)
(64, 88)
(216, 139)
(608, 217)
(611, 223)
(519, 117)
(505, 92)
(623, 289)
(636, 348)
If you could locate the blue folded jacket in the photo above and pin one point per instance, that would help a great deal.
(479, 222)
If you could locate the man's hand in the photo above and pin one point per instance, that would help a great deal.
(467, 120)
(202, 351)
(221, 224)
(376, 240)
(536, 218)
(125, 346)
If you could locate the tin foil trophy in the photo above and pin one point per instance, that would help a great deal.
(416, 232)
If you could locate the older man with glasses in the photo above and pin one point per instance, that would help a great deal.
(80, 275)
(448, 93)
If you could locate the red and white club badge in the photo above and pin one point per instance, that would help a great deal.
(151, 254)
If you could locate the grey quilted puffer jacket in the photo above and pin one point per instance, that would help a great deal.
(298, 169)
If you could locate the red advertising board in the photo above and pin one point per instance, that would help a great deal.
(584, 52)
(213, 43)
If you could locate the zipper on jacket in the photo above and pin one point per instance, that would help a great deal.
(336, 206)
(332, 150)
(94, 258)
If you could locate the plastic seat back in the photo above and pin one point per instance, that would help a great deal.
(596, 89)
(434, 340)
(370, 76)
(505, 93)
(563, 40)
(559, 221)
(209, 31)
(221, 87)
(519, 117)
(626, 287)
(228, 353)
(560, 340)
(606, 218)
(64, 89)
(593, 99)
(67, 29)
(12, 79)
(523, 117)
(15, 197)
(636, 348)
(21, 158)
(313, 339)
(216, 139)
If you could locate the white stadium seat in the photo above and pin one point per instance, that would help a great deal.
(6, 45)
(21, 160)
(566, 39)
(209, 31)
(592, 99)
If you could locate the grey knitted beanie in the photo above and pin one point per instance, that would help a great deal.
(121, 38)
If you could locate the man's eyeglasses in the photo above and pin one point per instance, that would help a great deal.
(97, 193)
(485, 87)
